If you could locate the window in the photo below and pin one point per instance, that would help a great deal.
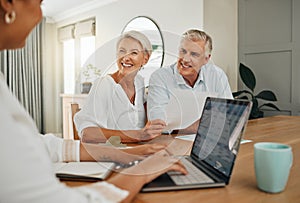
(87, 48)
(69, 65)
(78, 42)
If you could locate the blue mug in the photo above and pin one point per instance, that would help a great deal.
(272, 163)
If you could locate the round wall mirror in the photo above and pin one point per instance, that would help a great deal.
(148, 27)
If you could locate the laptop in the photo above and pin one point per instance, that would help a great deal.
(214, 150)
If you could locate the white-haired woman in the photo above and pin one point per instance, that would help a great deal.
(116, 103)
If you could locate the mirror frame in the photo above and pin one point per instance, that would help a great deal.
(160, 33)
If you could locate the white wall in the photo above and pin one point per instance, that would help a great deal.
(172, 16)
(221, 22)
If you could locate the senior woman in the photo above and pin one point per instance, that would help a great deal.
(26, 172)
(116, 103)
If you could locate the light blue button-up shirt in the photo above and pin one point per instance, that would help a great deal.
(166, 80)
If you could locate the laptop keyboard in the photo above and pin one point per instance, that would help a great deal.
(194, 176)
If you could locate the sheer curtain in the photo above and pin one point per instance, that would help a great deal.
(23, 72)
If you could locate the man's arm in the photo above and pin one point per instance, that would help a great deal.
(192, 129)
(158, 97)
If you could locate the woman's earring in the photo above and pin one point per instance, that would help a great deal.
(10, 17)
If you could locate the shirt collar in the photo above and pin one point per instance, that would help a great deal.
(180, 80)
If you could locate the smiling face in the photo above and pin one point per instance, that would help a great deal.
(191, 58)
(131, 56)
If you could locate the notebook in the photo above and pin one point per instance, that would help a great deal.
(215, 147)
(83, 171)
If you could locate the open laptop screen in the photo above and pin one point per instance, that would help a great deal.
(218, 135)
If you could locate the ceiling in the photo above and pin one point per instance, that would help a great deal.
(55, 9)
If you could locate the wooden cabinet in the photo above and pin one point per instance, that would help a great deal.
(67, 100)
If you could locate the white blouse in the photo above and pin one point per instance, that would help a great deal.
(108, 106)
(26, 172)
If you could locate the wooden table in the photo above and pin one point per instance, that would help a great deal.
(242, 187)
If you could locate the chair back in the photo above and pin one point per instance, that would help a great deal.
(75, 108)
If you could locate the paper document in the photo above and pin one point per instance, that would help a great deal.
(184, 108)
(83, 171)
(245, 141)
(192, 138)
(186, 137)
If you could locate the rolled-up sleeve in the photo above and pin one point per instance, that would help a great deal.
(61, 150)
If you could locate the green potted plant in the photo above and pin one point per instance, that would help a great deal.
(248, 78)
(89, 72)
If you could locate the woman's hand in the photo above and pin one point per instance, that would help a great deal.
(152, 129)
(155, 165)
(145, 149)
(132, 179)
(138, 153)
(94, 152)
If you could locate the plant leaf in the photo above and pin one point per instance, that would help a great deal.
(267, 95)
(271, 106)
(245, 98)
(238, 93)
(247, 77)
